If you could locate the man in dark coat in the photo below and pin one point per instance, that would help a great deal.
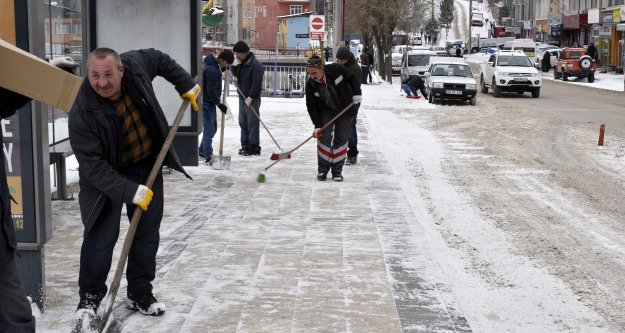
(249, 73)
(211, 97)
(592, 51)
(15, 311)
(546, 61)
(410, 86)
(366, 63)
(116, 130)
(330, 89)
(346, 58)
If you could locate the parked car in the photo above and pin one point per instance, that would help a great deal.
(415, 62)
(449, 78)
(440, 51)
(416, 40)
(528, 46)
(396, 63)
(477, 19)
(538, 59)
(575, 62)
(510, 71)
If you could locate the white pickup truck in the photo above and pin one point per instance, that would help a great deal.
(510, 71)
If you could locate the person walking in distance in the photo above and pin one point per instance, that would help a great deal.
(249, 73)
(346, 58)
(116, 130)
(211, 96)
(329, 90)
(366, 63)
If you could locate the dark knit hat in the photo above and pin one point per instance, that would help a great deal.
(241, 47)
(343, 53)
(226, 55)
(315, 62)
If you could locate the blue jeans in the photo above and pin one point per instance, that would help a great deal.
(250, 124)
(210, 128)
(353, 137)
(97, 246)
(408, 89)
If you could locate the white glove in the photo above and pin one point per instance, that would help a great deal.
(248, 102)
(236, 62)
(357, 99)
(317, 133)
(142, 197)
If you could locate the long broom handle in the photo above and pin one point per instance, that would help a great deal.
(310, 137)
(134, 222)
(223, 119)
(254, 110)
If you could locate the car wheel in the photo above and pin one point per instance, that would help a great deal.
(536, 93)
(484, 88)
(496, 89)
(591, 77)
(585, 62)
(565, 76)
(473, 100)
(556, 74)
(431, 98)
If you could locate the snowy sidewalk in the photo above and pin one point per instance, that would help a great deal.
(290, 255)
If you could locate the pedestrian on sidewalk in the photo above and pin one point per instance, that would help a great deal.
(329, 90)
(366, 63)
(116, 129)
(16, 313)
(546, 62)
(211, 96)
(410, 86)
(249, 73)
(346, 58)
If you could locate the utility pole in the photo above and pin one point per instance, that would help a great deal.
(470, 19)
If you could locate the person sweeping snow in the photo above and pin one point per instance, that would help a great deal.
(329, 89)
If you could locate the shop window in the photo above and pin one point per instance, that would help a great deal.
(63, 39)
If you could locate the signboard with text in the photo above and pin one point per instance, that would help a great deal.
(317, 27)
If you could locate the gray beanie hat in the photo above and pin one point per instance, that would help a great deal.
(343, 53)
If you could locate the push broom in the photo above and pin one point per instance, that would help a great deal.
(261, 175)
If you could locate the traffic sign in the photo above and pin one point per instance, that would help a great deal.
(316, 23)
(301, 35)
(316, 27)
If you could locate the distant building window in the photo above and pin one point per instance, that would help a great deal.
(76, 29)
(62, 28)
(264, 11)
(247, 33)
(296, 9)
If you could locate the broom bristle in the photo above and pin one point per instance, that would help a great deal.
(261, 177)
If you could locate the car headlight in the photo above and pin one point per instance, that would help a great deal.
(470, 86)
(437, 84)
(535, 74)
(503, 74)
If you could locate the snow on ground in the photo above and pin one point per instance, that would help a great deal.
(496, 289)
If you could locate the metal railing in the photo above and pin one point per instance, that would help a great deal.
(284, 81)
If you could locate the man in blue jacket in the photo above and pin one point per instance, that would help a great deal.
(116, 129)
(249, 73)
(211, 97)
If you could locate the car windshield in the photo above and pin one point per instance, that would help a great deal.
(451, 70)
(514, 61)
(418, 59)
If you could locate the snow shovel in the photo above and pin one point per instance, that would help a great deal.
(224, 161)
(101, 322)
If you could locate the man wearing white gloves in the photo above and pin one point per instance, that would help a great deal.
(330, 89)
(249, 73)
(116, 129)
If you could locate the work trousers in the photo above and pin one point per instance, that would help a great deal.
(332, 145)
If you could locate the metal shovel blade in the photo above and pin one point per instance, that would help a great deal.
(221, 162)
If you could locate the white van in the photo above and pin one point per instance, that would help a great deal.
(415, 62)
(527, 46)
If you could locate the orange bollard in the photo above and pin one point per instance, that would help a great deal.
(601, 133)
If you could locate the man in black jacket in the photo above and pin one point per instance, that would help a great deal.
(116, 129)
(329, 90)
(346, 58)
(249, 73)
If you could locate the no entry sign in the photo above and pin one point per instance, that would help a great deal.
(317, 26)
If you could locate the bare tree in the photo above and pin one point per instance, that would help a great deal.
(377, 20)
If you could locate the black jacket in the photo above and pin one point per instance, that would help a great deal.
(353, 67)
(344, 86)
(95, 131)
(249, 76)
(9, 103)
